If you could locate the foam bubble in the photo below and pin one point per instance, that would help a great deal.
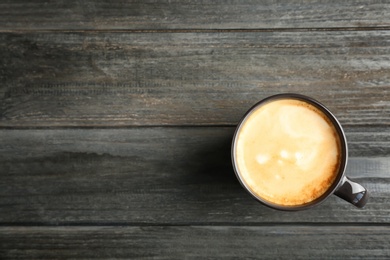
(284, 154)
(262, 158)
(299, 157)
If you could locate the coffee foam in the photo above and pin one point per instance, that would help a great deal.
(288, 152)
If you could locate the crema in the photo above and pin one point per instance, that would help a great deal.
(287, 152)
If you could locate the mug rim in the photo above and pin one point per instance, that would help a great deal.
(339, 130)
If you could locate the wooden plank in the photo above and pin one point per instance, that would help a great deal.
(121, 79)
(206, 14)
(160, 176)
(196, 242)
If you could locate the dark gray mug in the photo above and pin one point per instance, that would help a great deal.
(342, 186)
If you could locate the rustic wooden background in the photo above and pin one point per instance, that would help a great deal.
(116, 119)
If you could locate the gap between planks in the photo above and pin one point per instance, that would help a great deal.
(93, 31)
(190, 224)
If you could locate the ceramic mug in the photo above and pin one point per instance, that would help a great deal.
(340, 185)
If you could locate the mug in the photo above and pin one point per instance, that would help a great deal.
(287, 148)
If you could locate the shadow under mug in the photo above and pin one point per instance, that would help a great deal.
(342, 187)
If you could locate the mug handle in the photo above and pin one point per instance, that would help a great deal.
(352, 192)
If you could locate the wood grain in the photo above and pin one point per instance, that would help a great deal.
(116, 119)
(186, 14)
(160, 176)
(121, 79)
(222, 242)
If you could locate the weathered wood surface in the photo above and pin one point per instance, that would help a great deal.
(196, 242)
(121, 79)
(187, 14)
(156, 181)
(160, 176)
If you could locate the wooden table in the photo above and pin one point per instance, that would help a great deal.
(116, 119)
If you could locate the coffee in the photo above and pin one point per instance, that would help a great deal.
(287, 152)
